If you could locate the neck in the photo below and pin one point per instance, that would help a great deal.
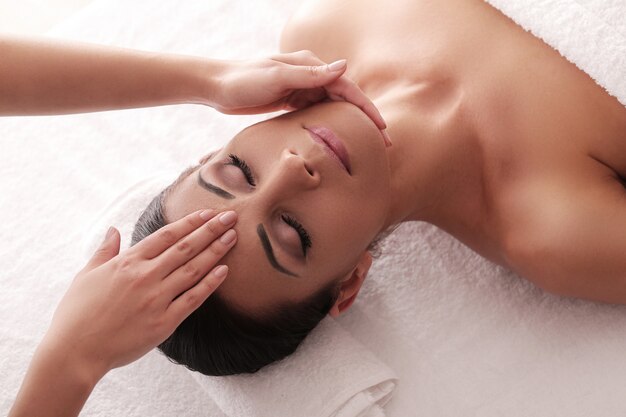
(435, 161)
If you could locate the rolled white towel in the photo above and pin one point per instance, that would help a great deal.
(331, 374)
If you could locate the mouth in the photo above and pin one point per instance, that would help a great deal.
(331, 144)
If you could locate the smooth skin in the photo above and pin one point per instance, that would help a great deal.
(123, 304)
(498, 139)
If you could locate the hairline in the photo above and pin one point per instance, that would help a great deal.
(170, 188)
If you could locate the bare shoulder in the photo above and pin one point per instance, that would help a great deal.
(566, 232)
(314, 26)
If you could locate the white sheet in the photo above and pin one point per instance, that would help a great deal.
(589, 33)
(465, 337)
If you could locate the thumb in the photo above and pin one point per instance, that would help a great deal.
(313, 76)
(109, 248)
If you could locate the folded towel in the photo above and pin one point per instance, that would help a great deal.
(346, 378)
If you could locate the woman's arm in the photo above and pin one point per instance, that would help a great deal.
(40, 76)
(56, 384)
(43, 76)
(120, 306)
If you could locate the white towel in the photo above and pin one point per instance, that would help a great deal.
(347, 380)
(589, 33)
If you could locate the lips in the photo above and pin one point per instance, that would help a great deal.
(332, 144)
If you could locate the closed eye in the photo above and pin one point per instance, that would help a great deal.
(305, 239)
(243, 166)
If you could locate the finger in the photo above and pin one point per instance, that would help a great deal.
(265, 108)
(165, 237)
(312, 76)
(370, 109)
(191, 245)
(304, 98)
(190, 273)
(108, 249)
(191, 299)
(386, 138)
(347, 90)
(302, 57)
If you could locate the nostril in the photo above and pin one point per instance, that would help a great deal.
(309, 170)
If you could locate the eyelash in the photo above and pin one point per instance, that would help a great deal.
(241, 164)
(305, 239)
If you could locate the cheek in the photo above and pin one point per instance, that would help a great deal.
(350, 233)
(374, 182)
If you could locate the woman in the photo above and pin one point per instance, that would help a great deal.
(149, 289)
(498, 140)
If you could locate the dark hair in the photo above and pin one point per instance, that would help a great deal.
(217, 339)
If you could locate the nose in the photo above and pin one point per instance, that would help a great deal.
(292, 174)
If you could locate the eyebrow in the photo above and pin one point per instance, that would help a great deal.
(269, 252)
(214, 188)
(265, 241)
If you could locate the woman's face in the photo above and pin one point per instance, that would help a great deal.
(304, 220)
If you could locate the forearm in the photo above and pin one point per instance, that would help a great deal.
(53, 77)
(55, 385)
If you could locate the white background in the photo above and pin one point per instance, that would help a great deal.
(35, 16)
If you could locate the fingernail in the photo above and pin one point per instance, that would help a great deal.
(206, 214)
(109, 232)
(220, 271)
(337, 65)
(386, 138)
(228, 218)
(228, 237)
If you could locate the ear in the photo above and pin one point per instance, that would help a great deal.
(208, 156)
(351, 285)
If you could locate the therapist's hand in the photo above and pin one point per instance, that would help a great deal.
(120, 306)
(289, 81)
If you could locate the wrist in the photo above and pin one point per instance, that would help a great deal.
(202, 80)
(79, 370)
(56, 383)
